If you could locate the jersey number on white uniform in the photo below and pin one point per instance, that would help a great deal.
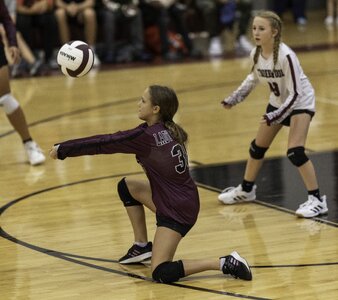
(274, 88)
(179, 151)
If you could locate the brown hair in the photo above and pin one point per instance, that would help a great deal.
(166, 99)
(276, 23)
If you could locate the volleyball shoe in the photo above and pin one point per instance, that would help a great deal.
(232, 195)
(137, 254)
(312, 207)
(236, 266)
(34, 153)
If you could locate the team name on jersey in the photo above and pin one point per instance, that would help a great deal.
(162, 138)
(270, 73)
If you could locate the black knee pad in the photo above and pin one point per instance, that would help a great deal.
(169, 272)
(124, 194)
(297, 156)
(257, 152)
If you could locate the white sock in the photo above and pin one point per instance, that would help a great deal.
(221, 263)
(140, 244)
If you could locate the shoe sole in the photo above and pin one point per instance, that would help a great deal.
(312, 216)
(136, 259)
(234, 201)
(243, 261)
(36, 163)
(238, 200)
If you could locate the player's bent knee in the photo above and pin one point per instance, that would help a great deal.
(257, 152)
(297, 156)
(125, 196)
(168, 272)
(9, 103)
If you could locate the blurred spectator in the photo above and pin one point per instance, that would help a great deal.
(37, 14)
(235, 12)
(244, 14)
(230, 15)
(162, 14)
(298, 9)
(332, 13)
(77, 12)
(210, 11)
(125, 16)
(33, 64)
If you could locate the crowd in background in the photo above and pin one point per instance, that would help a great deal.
(123, 31)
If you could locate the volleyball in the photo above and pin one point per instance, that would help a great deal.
(75, 58)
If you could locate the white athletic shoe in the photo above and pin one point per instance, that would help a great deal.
(215, 47)
(312, 207)
(34, 153)
(232, 195)
(329, 21)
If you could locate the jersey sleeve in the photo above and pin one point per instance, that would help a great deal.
(134, 141)
(292, 70)
(243, 91)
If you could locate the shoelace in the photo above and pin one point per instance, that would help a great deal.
(231, 265)
(228, 189)
(308, 202)
(35, 148)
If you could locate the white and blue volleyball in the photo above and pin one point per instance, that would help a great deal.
(75, 58)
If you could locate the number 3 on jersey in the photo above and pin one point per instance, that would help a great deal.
(179, 151)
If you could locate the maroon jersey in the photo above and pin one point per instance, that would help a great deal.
(8, 24)
(164, 160)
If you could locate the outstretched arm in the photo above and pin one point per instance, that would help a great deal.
(133, 141)
(242, 92)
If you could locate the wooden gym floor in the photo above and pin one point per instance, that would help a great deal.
(62, 227)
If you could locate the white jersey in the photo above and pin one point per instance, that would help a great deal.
(289, 86)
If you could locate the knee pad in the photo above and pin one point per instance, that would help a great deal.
(125, 195)
(257, 152)
(9, 103)
(169, 272)
(297, 156)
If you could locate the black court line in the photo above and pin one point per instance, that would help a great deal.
(275, 207)
(72, 257)
(13, 202)
(72, 113)
(113, 103)
(68, 257)
(76, 258)
(128, 100)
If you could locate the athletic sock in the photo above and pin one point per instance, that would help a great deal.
(140, 244)
(221, 263)
(316, 194)
(247, 186)
(27, 140)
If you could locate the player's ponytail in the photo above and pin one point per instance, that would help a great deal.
(166, 99)
(256, 55)
(178, 133)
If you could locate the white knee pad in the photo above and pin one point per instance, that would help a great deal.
(9, 103)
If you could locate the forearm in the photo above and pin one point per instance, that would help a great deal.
(243, 91)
